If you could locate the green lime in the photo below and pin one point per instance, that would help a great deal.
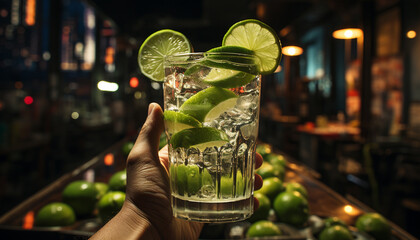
(259, 37)
(126, 148)
(336, 232)
(209, 103)
(81, 196)
(272, 186)
(200, 138)
(227, 188)
(263, 149)
(263, 209)
(263, 228)
(231, 57)
(291, 208)
(162, 141)
(110, 204)
(156, 47)
(375, 225)
(101, 188)
(226, 78)
(332, 221)
(55, 214)
(118, 181)
(189, 179)
(295, 186)
(276, 159)
(268, 170)
(177, 121)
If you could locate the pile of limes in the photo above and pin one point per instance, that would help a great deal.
(81, 199)
(287, 203)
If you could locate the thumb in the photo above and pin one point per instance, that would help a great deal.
(147, 143)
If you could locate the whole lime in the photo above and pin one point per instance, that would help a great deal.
(295, 186)
(268, 170)
(263, 228)
(375, 225)
(336, 232)
(81, 196)
(263, 209)
(276, 159)
(118, 181)
(102, 188)
(263, 150)
(332, 221)
(291, 208)
(272, 186)
(110, 204)
(55, 214)
(126, 148)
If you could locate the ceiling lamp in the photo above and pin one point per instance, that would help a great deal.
(292, 50)
(348, 33)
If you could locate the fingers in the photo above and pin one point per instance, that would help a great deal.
(258, 182)
(258, 160)
(164, 158)
(147, 143)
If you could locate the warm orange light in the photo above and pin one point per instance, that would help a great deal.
(134, 82)
(30, 12)
(411, 34)
(109, 55)
(347, 33)
(261, 10)
(28, 100)
(278, 69)
(292, 50)
(28, 220)
(109, 159)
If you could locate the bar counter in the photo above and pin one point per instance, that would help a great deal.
(18, 222)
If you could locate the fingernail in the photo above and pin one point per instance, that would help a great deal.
(151, 107)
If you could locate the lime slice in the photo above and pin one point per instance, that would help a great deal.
(177, 121)
(226, 78)
(259, 37)
(154, 49)
(209, 103)
(200, 138)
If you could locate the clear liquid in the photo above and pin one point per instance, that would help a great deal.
(215, 184)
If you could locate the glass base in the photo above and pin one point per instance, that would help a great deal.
(213, 212)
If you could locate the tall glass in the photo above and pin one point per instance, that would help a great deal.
(213, 183)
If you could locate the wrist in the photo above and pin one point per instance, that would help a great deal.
(138, 222)
(129, 223)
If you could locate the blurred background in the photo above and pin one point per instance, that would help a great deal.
(346, 104)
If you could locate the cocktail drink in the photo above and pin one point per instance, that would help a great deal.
(211, 109)
(212, 124)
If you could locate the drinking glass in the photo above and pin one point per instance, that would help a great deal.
(213, 183)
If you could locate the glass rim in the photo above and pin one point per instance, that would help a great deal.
(199, 56)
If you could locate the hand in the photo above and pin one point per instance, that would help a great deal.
(147, 211)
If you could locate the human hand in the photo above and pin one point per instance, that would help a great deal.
(147, 211)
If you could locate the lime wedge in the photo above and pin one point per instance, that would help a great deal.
(200, 138)
(232, 57)
(226, 78)
(154, 49)
(209, 103)
(258, 37)
(177, 121)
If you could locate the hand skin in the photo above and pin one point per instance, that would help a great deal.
(147, 212)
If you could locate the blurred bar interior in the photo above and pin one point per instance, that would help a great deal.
(344, 101)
